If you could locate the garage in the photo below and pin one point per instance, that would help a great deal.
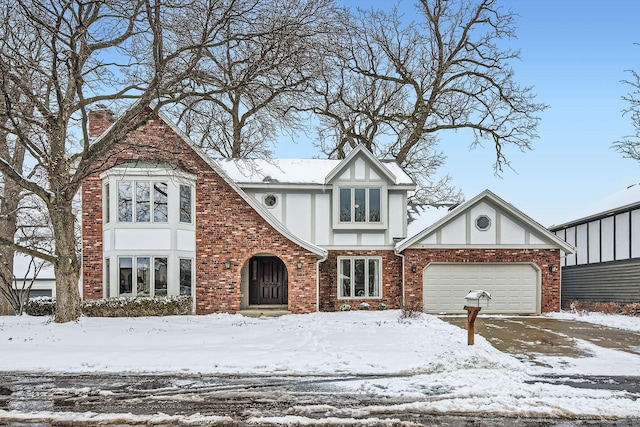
(514, 287)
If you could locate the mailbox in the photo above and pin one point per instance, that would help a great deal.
(477, 299)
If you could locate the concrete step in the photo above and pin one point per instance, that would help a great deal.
(265, 311)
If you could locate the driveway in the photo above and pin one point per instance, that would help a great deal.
(540, 336)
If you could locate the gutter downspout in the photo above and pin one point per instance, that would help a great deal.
(323, 259)
(401, 256)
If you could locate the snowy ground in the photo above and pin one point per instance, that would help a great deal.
(424, 359)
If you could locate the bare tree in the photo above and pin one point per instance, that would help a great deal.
(402, 84)
(10, 192)
(249, 84)
(629, 145)
(67, 56)
(16, 290)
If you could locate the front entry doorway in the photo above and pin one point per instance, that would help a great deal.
(268, 281)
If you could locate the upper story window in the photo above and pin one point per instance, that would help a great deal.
(483, 222)
(360, 205)
(136, 199)
(185, 203)
(140, 193)
(107, 202)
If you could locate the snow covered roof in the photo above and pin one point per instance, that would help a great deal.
(292, 171)
(621, 200)
(421, 217)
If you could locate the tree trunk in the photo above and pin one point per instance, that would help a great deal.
(8, 227)
(66, 265)
(5, 253)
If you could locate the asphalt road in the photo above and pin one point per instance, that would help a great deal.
(238, 399)
(241, 400)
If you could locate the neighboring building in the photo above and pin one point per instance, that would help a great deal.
(162, 218)
(606, 265)
(44, 283)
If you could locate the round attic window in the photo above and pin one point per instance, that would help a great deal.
(483, 222)
(270, 200)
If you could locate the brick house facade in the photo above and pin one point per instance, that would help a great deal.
(329, 233)
(228, 229)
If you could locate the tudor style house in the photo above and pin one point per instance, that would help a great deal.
(162, 218)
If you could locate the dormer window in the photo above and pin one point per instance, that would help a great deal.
(360, 205)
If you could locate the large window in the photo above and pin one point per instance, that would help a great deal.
(137, 200)
(359, 277)
(360, 205)
(144, 276)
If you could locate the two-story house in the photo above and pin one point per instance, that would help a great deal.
(160, 217)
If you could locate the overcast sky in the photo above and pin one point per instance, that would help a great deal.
(575, 53)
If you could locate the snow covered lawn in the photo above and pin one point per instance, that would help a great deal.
(424, 358)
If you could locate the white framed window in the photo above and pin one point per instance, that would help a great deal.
(106, 285)
(139, 284)
(483, 223)
(270, 200)
(186, 203)
(143, 200)
(106, 212)
(360, 205)
(359, 277)
(186, 276)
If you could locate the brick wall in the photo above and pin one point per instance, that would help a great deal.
(391, 292)
(227, 227)
(544, 258)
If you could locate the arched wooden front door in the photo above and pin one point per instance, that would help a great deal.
(267, 281)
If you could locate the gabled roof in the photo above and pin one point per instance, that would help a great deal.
(485, 195)
(360, 150)
(250, 200)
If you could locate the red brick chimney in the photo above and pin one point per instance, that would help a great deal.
(99, 120)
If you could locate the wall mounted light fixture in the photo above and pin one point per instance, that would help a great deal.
(414, 268)
(227, 264)
(299, 265)
(553, 268)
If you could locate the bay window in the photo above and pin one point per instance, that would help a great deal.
(144, 276)
(185, 203)
(186, 274)
(359, 277)
(137, 196)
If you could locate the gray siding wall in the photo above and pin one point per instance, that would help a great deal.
(616, 281)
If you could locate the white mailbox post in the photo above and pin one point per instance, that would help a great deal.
(474, 300)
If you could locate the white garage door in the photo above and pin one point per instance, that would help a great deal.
(514, 288)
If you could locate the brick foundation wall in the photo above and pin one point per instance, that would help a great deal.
(391, 292)
(543, 258)
(227, 228)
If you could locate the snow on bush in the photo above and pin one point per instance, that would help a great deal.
(119, 307)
